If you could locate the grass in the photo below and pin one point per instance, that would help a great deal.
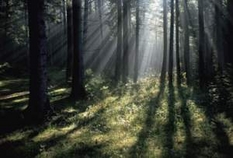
(146, 119)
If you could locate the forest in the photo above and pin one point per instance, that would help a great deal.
(116, 78)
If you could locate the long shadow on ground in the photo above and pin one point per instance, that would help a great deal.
(186, 116)
(139, 149)
(170, 126)
(223, 148)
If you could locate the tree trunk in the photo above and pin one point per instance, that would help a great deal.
(186, 43)
(64, 15)
(201, 44)
(78, 90)
(85, 23)
(171, 47)
(119, 41)
(100, 18)
(38, 98)
(178, 43)
(219, 34)
(137, 42)
(69, 40)
(164, 65)
(229, 55)
(125, 39)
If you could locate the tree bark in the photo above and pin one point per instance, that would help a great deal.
(125, 39)
(137, 42)
(178, 43)
(119, 41)
(219, 34)
(186, 43)
(69, 40)
(164, 65)
(171, 47)
(85, 23)
(38, 98)
(100, 18)
(78, 91)
(201, 44)
(229, 55)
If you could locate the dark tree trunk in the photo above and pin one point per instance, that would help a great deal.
(100, 17)
(171, 47)
(78, 90)
(178, 43)
(137, 42)
(125, 39)
(219, 34)
(119, 41)
(164, 65)
(229, 55)
(38, 98)
(201, 44)
(85, 23)
(64, 15)
(186, 43)
(69, 40)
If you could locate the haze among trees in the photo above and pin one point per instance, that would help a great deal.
(116, 78)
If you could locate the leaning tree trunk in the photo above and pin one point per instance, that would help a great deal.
(38, 98)
(78, 90)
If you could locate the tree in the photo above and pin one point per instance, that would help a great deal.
(125, 39)
(178, 44)
(201, 44)
(100, 17)
(85, 22)
(170, 72)
(69, 40)
(78, 90)
(229, 39)
(219, 34)
(38, 98)
(119, 41)
(137, 42)
(186, 42)
(164, 65)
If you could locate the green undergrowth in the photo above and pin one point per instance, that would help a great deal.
(147, 119)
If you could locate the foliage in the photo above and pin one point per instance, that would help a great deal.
(125, 120)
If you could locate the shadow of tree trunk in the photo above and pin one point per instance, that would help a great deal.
(139, 149)
(185, 114)
(170, 126)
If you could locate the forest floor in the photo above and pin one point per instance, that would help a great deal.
(146, 119)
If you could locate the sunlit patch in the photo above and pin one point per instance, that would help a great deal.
(61, 90)
(20, 100)
(14, 95)
(19, 135)
(53, 132)
(69, 110)
(227, 126)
